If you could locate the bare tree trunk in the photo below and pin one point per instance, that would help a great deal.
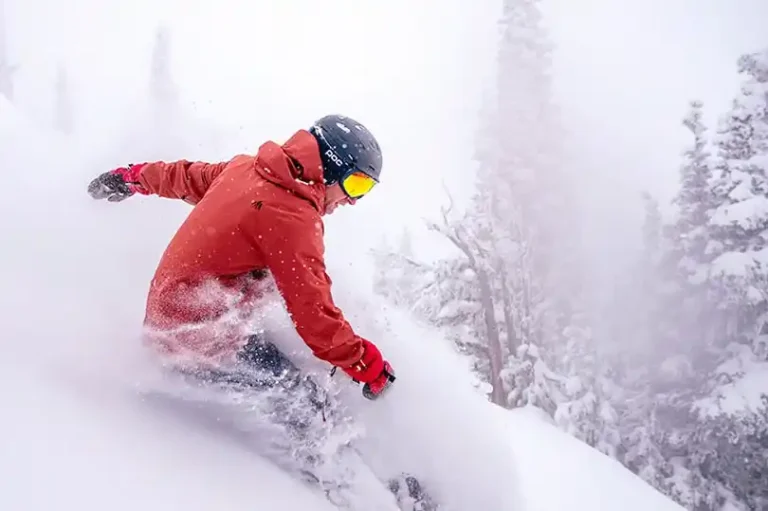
(501, 272)
(494, 343)
(525, 330)
(495, 356)
(509, 322)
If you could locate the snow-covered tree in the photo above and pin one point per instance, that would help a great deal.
(717, 304)
(741, 217)
(511, 290)
(743, 146)
(449, 298)
(677, 287)
(587, 392)
(7, 68)
(691, 311)
(632, 379)
(399, 276)
(479, 260)
(520, 210)
(497, 282)
(695, 200)
(162, 86)
(64, 115)
(444, 294)
(644, 307)
(736, 432)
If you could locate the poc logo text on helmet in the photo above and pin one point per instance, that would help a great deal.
(333, 156)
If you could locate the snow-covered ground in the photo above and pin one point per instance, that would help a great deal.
(66, 446)
(76, 435)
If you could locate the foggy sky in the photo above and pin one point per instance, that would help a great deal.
(624, 74)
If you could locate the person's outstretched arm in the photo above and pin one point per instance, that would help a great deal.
(181, 179)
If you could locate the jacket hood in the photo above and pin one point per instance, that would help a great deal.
(295, 166)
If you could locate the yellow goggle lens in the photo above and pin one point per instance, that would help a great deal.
(358, 184)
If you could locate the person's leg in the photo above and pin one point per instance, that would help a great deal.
(271, 368)
(305, 430)
(264, 401)
(301, 402)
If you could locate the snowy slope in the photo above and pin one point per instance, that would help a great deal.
(88, 450)
(69, 451)
(562, 474)
(75, 435)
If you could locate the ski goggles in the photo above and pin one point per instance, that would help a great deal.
(356, 184)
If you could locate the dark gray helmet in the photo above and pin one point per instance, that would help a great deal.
(346, 146)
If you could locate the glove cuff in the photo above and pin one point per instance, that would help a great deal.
(131, 175)
(369, 367)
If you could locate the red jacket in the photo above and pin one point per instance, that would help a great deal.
(252, 213)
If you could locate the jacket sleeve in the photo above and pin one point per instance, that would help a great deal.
(181, 179)
(292, 246)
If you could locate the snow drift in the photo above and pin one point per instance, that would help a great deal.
(75, 434)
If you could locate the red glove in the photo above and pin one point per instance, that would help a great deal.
(118, 184)
(373, 370)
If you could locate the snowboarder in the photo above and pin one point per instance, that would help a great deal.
(256, 215)
(253, 215)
